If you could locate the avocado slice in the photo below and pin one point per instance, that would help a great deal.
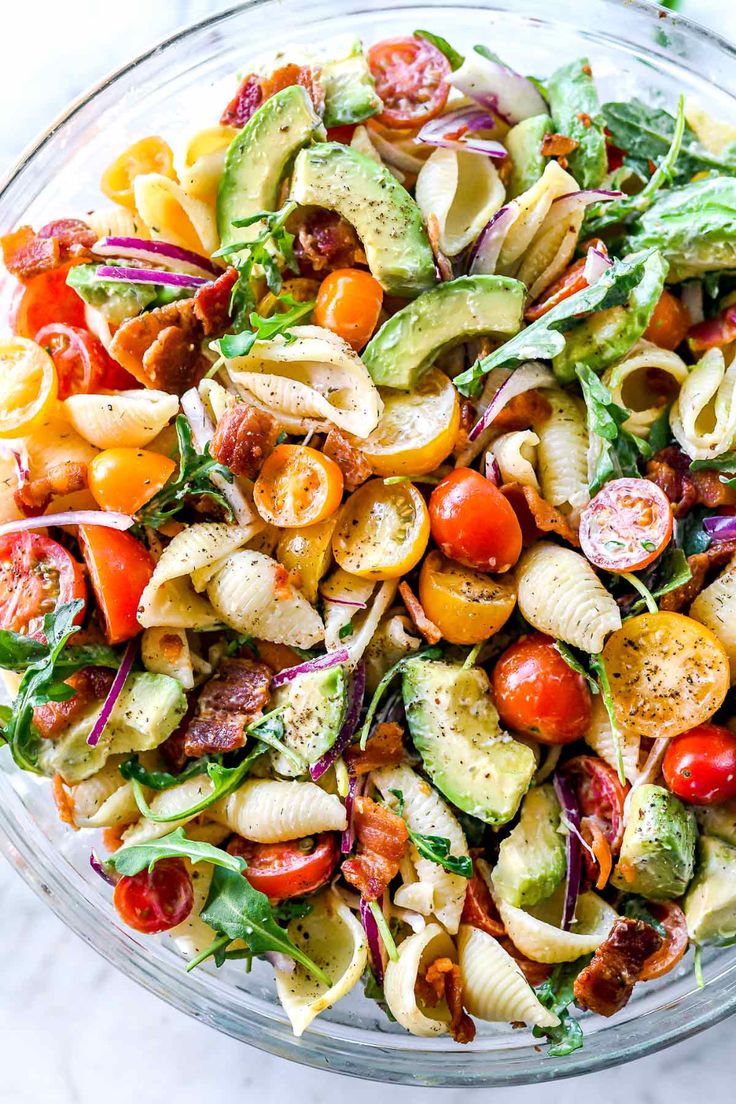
(710, 903)
(524, 145)
(259, 157)
(386, 218)
(350, 90)
(454, 725)
(409, 342)
(117, 301)
(531, 860)
(316, 704)
(658, 850)
(718, 821)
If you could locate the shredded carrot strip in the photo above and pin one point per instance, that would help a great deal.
(64, 802)
(602, 851)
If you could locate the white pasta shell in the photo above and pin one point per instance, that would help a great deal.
(516, 456)
(703, 416)
(715, 607)
(250, 594)
(104, 799)
(563, 452)
(270, 811)
(116, 222)
(165, 651)
(417, 896)
(550, 252)
(532, 208)
(463, 191)
(629, 386)
(559, 593)
(364, 624)
(334, 939)
(600, 737)
(172, 215)
(193, 935)
(168, 803)
(338, 589)
(544, 942)
(494, 987)
(416, 953)
(127, 419)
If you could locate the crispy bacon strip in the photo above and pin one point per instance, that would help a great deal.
(90, 684)
(244, 438)
(606, 984)
(385, 748)
(227, 703)
(34, 496)
(442, 981)
(64, 802)
(349, 459)
(536, 515)
(558, 145)
(27, 253)
(427, 628)
(433, 233)
(523, 411)
(701, 564)
(162, 347)
(479, 910)
(670, 470)
(212, 303)
(324, 242)
(382, 841)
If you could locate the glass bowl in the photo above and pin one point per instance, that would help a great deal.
(173, 90)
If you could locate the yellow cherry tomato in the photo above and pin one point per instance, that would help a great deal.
(417, 430)
(297, 486)
(149, 155)
(466, 606)
(308, 551)
(382, 530)
(28, 385)
(667, 674)
(124, 479)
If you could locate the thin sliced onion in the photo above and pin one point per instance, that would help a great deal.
(499, 89)
(114, 692)
(692, 300)
(202, 433)
(451, 132)
(356, 693)
(375, 943)
(20, 459)
(151, 276)
(321, 663)
(596, 263)
(722, 527)
(355, 789)
(141, 249)
(108, 519)
(99, 868)
(280, 961)
(343, 602)
(492, 470)
(529, 375)
(573, 201)
(484, 254)
(571, 812)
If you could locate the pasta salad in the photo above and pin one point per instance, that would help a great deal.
(368, 535)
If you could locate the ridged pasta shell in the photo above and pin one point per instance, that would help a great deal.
(715, 607)
(516, 455)
(165, 651)
(364, 624)
(463, 191)
(532, 209)
(630, 387)
(172, 215)
(494, 987)
(203, 161)
(167, 803)
(417, 896)
(127, 419)
(550, 252)
(703, 416)
(116, 222)
(416, 953)
(338, 589)
(544, 942)
(600, 737)
(270, 811)
(563, 452)
(92, 795)
(394, 638)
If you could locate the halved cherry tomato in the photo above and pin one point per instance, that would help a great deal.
(80, 359)
(349, 303)
(417, 429)
(120, 568)
(149, 155)
(155, 900)
(289, 869)
(466, 606)
(601, 800)
(473, 523)
(570, 282)
(667, 673)
(36, 576)
(626, 526)
(713, 333)
(670, 322)
(538, 693)
(382, 531)
(412, 78)
(297, 486)
(44, 300)
(672, 919)
(124, 479)
(700, 765)
(28, 386)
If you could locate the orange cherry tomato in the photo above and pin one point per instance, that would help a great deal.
(669, 323)
(672, 919)
(626, 526)
(82, 364)
(297, 486)
(124, 479)
(571, 281)
(288, 869)
(120, 568)
(473, 523)
(149, 155)
(155, 900)
(36, 576)
(466, 606)
(412, 78)
(349, 303)
(44, 300)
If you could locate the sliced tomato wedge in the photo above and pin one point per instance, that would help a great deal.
(120, 568)
(36, 575)
(297, 486)
(626, 526)
(570, 282)
(601, 799)
(80, 359)
(46, 299)
(412, 79)
(672, 919)
(155, 900)
(289, 869)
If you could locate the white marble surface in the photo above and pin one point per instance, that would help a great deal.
(73, 1030)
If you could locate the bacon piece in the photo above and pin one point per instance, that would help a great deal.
(523, 411)
(479, 910)
(606, 984)
(427, 628)
(442, 981)
(212, 302)
(385, 748)
(670, 470)
(558, 145)
(349, 459)
(90, 684)
(33, 497)
(244, 437)
(244, 103)
(324, 242)
(536, 515)
(713, 333)
(700, 565)
(27, 253)
(73, 235)
(433, 233)
(254, 91)
(382, 841)
(162, 347)
(64, 802)
(227, 703)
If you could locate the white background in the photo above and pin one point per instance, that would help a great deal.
(72, 1030)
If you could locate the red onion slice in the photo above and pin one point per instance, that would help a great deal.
(721, 527)
(529, 375)
(151, 276)
(141, 249)
(571, 812)
(504, 92)
(108, 519)
(451, 131)
(114, 693)
(492, 470)
(356, 692)
(573, 201)
(596, 263)
(343, 602)
(202, 433)
(99, 868)
(355, 789)
(484, 254)
(375, 943)
(321, 663)
(20, 459)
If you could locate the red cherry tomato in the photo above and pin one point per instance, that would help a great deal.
(342, 134)
(700, 765)
(80, 359)
(537, 693)
(412, 79)
(44, 300)
(626, 526)
(672, 919)
(36, 575)
(670, 322)
(473, 523)
(155, 900)
(289, 869)
(349, 303)
(119, 568)
(601, 799)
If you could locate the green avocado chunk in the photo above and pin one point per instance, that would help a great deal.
(531, 860)
(315, 709)
(118, 301)
(710, 903)
(259, 157)
(658, 849)
(718, 821)
(386, 218)
(454, 726)
(575, 111)
(524, 145)
(409, 342)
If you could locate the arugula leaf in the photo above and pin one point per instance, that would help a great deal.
(455, 59)
(724, 463)
(638, 909)
(193, 478)
(597, 665)
(572, 661)
(293, 909)
(434, 652)
(620, 449)
(556, 994)
(263, 329)
(690, 535)
(544, 339)
(660, 435)
(436, 848)
(133, 769)
(669, 571)
(141, 856)
(272, 247)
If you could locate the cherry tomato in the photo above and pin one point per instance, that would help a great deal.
(45, 300)
(80, 359)
(670, 322)
(149, 155)
(119, 569)
(466, 606)
(473, 523)
(672, 919)
(600, 798)
(349, 303)
(412, 78)
(570, 282)
(36, 576)
(382, 531)
(297, 486)
(342, 134)
(155, 900)
(538, 693)
(417, 429)
(289, 869)
(28, 386)
(626, 526)
(700, 765)
(124, 479)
